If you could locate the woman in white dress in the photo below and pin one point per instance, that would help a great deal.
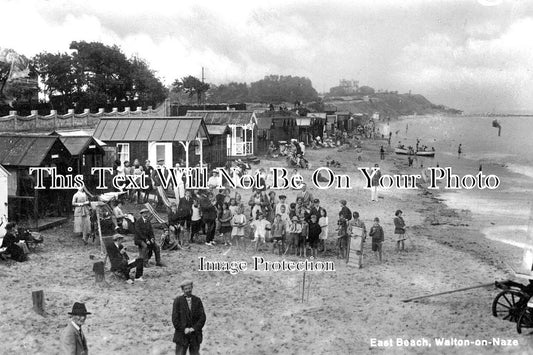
(82, 214)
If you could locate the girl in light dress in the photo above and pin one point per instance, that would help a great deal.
(323, 223)
(238, 222)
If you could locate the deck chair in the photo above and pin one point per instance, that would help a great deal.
(165, 242)
(163, 195)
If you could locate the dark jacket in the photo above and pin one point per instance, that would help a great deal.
(183, 317)
(184, 208)
(399, 225)
(10, 242)
(376, 232)
(345, 213)
(143, 231)
(117, 259)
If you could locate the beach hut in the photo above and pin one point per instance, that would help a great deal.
(86, 152)
(277, 126)
(4, 213)
(19, 153)
(240, 143)
(216, 153)
(304, 129)
(169, 139)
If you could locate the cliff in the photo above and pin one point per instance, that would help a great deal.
(389, 105)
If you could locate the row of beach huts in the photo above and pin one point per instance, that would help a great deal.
(75, 143)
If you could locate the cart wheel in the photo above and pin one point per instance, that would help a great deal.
(525, 320)
(508, 304)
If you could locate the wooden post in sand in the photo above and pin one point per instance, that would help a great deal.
(99, 272)
(303, 288)
(38, 301)
(102, 247)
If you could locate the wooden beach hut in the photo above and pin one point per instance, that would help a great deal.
(170, 139)
(18, 153)
(241, 142)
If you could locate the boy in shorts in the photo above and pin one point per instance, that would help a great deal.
(378, 236)
(260, 227)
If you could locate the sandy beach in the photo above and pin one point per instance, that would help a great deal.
(256, 312)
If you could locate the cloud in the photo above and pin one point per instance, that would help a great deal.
(498, 70)
(462, 54)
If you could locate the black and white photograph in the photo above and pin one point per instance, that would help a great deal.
(266, 177)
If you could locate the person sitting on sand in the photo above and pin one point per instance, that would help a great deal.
(378, 236)
(399, 230)
(121, 262)
(10, 242)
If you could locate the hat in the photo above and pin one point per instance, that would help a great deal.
(282, 196)
(343, 202)
(10, 226)
(294, 218)
(78, 309)
(185, 283)
(376, 219)
(144, 210)
(161, 161)
(215, 171)
(118, 236)
(316, 200)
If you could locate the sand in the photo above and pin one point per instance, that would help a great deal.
(261, 312)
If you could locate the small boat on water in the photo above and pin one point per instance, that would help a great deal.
(420, 153)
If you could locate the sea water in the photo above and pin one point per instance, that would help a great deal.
(502, 214)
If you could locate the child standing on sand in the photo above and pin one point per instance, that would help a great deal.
(378, 236)
(294, 233)
(342, 239)
(399, 231)
(238, 222)
(314, 235)
(278, 234)
(323, 223)
(302, 240)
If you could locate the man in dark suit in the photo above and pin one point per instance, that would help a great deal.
(73, 341)
(145, 240)
(120, 261)
(188, 318)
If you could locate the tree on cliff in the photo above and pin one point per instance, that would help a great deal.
(366, 90)
(280, 88)
(190, 85)
(14, 69)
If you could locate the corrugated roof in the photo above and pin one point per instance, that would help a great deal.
(24, 150)
(78, 133)
(223, 117)
(216, 130)
(157, 129)
(77, 145)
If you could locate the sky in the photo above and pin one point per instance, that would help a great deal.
(474, 55)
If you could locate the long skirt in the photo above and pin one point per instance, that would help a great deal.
(82, 224)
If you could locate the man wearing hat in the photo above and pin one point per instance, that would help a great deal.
(120, 261)
(73, 341)
(145, 240)
(188, 318)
